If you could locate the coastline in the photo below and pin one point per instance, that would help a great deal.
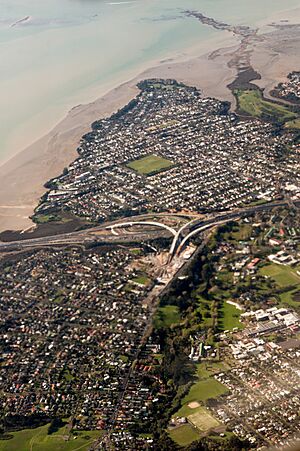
(277, 54)
(23, 176)
(276, 57)
(27, 133)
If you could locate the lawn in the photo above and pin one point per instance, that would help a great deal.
(295, 124)
(38, 440)
(208, 369)
(253, 103)
(229, 317)
(256, 202)
(243, 233)
(67, 375)
(203, 420)
(136, 251)
(151, 164)
(141, 280)
(201, 391)
(205, 389)
(166, 316)
(288, 298)
(283, 275)
(184, 435)
(44, 219)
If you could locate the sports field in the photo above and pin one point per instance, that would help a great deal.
(291, 298)
(229, 317)
(253, 103)
(199, 417)
(205, 389)
(39, 440)
(283, 275)
(203, 420)
(151, 164)
(184, 435)
(201, 391)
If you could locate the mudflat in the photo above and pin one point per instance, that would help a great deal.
(273, 55)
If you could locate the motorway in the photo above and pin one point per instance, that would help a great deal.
(106, 233)
(141, 223)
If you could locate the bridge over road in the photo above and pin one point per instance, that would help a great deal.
(106, 233)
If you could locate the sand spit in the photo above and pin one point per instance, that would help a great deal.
(273, 55)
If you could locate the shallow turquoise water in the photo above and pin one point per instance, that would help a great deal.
(70, 49)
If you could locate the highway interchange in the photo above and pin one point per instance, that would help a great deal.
(147, 229)
(143, 227)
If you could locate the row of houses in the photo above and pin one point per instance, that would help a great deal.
(217, 162)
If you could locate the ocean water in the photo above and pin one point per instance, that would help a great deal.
(55, 54)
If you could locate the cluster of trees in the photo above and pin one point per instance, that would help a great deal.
(15, 422)
(231, 444)
(196, 278)
(176, 368)
(150, 84)
(55, 425)
(291, 97)
(164, 443)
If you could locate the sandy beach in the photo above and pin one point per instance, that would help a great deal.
(274, 55)
(23, 176)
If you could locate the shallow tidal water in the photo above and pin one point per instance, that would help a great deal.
(55, 54)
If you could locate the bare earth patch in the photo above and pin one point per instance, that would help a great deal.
(193, 405)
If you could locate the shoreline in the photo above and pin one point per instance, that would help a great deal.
(23, 176)
(25, 135)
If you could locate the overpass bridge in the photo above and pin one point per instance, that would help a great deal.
(142, 223)
(100, 233)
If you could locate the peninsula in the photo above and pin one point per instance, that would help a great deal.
(152, 303)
